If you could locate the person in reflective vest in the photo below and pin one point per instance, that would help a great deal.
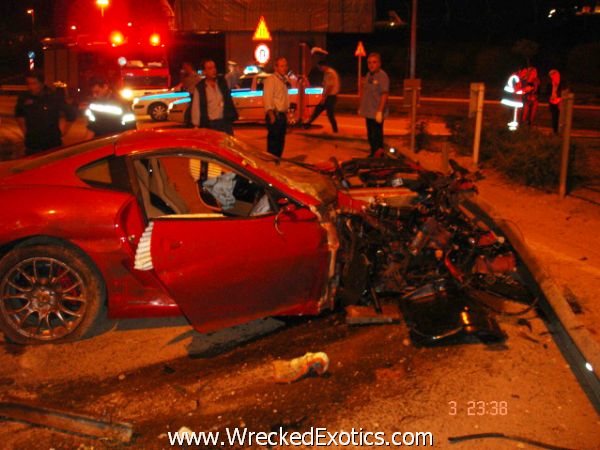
(107, 114)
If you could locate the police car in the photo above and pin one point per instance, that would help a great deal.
(248, 99)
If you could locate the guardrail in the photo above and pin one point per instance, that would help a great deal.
(11, 89)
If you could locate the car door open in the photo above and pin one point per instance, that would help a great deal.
(222, 256)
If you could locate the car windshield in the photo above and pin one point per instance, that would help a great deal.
(53, 156)
(134, 81)
(293, 175)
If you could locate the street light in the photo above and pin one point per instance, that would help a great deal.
(102, 4)
(31, 12)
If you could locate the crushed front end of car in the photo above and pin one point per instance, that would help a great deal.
(405, 238)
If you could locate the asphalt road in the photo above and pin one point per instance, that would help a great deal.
(161, 374)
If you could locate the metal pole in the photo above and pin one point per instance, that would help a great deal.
(413, 118)
(301, 83)
(413, 38)
(359, 78)
(561, 116)
(478, 120)
(445, 158)
(564, 164)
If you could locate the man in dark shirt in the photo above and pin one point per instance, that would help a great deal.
(38, 112)
(107, 114)
(212, 105)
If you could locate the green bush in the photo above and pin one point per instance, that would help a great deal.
(526, 156)
(494, 64)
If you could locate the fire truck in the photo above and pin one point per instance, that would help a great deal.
(132, 69)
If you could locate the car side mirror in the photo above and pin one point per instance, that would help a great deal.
(285, 205)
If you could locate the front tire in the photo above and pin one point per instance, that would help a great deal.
(158, 112)
(48, 294)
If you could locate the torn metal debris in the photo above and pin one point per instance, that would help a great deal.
(67, 422)
(418, 246)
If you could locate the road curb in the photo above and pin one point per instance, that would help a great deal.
(580, 335)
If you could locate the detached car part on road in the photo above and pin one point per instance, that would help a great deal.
(165, 222)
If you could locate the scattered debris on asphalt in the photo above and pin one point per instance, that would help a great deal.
(67, 422)
(365, 315)
(297, 368)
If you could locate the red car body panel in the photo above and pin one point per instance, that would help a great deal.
(223, 272)
(245, 270)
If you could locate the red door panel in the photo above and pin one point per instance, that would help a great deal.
(231, 270)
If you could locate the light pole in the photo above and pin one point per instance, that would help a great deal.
(413, 39)
(31, 12)
(102, 4)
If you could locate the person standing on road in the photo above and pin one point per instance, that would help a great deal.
(189, 77)
(38, 112)
(212, 105)
(107, 113)
(233, 75)
(276, 102)
(331, 88)
(374, 101)
(531, 86)
(555, 88)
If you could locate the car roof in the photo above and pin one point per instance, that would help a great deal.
(47, 158)
(141, 141)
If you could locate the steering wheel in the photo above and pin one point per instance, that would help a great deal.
(209, 200)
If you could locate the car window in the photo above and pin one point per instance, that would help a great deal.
(191, 186)
(110, 173)
(246, 83)
(66, 152)
(259, 83)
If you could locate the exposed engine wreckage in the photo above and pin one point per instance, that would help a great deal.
(405, 236)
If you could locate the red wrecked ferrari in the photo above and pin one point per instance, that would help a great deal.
(160, 223)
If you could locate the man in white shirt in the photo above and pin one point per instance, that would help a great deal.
(276, 102)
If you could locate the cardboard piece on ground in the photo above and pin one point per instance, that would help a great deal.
(366, 315)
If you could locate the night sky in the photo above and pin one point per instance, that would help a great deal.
(492, 20)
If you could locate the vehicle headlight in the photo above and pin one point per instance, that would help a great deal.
(127, 93)
(127, 118)
(170, 107)
(90, 115)
(136, 100)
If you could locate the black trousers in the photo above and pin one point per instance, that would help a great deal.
(555, 111)
(37, 144)
(329, 106)
(276, 134)
(375, 135)
(221, 125)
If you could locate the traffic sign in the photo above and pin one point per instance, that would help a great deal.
(360, 50)
(262, 53)
(262, 32)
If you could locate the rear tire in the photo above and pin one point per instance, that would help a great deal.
(49, 294)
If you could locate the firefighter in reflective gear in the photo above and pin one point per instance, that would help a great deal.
(107, 114)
